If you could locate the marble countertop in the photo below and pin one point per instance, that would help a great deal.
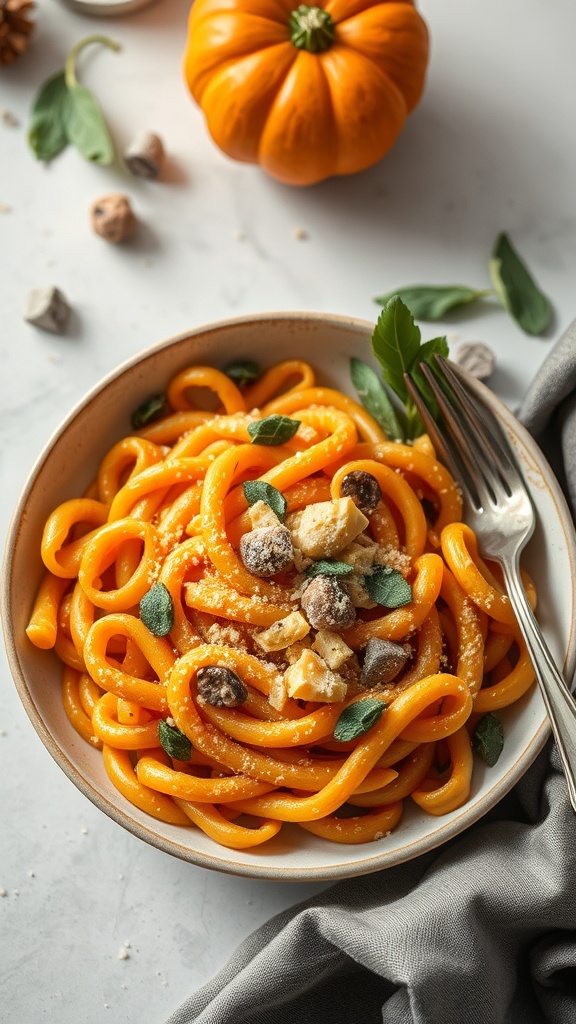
(94, 925)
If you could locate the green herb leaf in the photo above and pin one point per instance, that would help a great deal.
(174, 741)
(243, 371)
(157, 610)
(328, 567)
(395, 344)
(517, 289)
(148, 411)
(432, 302)
(488, 738)
(85, 126)
(374, 398)
(259, 490)
(357, 718)
(388, 587)
(47, 133)
(273, 430)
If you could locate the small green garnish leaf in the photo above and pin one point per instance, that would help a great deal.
(148, 411)
(85, 126)
(157, 610)
(432, 302)
(328, 567)
(517, 289)
(395, 344)
(373, 396)
(64, 111)
(47, 133)
(174, 741)
(243, 371)
(357, 718)
(488, 738)
(388, 587)
(259, 490)
(273, 430)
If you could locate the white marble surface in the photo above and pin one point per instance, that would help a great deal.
(492, 147)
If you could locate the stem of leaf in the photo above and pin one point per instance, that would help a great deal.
(70, 65)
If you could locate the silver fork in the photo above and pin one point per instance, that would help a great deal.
(498, 508)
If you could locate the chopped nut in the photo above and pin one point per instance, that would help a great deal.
(145, 155)
(267, 550)
(476, 358)
(363, 488)
(310, 679)
(220, 687)
(327, 605)
(383, 660)
(325, 528)
(293, 652)
(47, 308)
(331, 648)
(278, 694)
(283, 633)
(112, 218)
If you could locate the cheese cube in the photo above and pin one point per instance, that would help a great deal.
(331, 648)
(260, 514)
(284, 632)
(325, 528)
(309, 678)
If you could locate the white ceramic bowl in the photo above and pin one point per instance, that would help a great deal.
(68, 464)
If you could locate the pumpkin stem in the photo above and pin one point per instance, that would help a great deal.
(311, 28)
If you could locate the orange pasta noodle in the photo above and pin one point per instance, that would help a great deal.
(236, 697)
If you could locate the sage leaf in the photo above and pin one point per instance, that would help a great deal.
(395, 344)
(374, 398)
(243, 371)
(47, 133)
(273, 430)
(432, 302)
(157, 610)
(328, 567)
(488, 738)
(174, 741)
(517, 289)
(85, 125)
(260, 490)
(148, 411)
(388, 587)
(357, 718)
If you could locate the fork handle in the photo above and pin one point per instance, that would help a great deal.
(559, 701)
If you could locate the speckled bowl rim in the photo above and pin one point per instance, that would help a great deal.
(223, 859)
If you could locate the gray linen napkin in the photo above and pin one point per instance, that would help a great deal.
(482, 930)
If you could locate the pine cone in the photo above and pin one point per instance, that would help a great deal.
(15, 28)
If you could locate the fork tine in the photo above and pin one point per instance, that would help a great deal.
(449, 451)
(490, 431)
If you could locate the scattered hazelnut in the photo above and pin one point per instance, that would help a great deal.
(47, 308)
(112, 218)
(267, 550)
(363, 488)
(476, 358)
(327, 604)
(145, 155)
(383, 660)
(220, 687)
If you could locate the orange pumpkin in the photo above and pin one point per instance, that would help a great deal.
(306, 92)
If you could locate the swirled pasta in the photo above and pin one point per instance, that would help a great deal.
(275, 615)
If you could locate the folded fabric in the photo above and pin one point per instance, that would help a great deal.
(482, 930)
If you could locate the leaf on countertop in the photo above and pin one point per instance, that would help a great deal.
(47, 133)
(517, 289)
(85, 126)
(432, 302)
